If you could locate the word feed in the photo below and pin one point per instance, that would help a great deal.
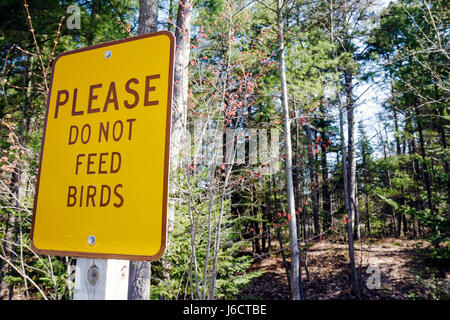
(107, 161)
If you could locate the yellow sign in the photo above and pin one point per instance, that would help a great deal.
(103, 175)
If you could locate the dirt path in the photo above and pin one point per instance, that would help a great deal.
(329, 276)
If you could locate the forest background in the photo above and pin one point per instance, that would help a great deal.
(350, 99)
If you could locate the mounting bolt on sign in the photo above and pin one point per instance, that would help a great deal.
(102, 184)
(91, 240)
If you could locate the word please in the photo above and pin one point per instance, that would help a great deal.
(134, 90)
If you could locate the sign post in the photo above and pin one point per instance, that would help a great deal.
(101, 279)
(102, 184)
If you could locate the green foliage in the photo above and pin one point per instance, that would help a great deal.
(192, 226)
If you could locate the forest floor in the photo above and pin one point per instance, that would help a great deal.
(403, 276)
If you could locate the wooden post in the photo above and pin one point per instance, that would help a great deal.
(101, 279)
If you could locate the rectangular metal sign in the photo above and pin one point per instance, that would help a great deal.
(103, 176)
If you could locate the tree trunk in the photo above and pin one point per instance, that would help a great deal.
(140, 271)
(139, 280)
(314, 180)
(148, 16)
(366, 190)
(415, 168)
(402, 201)
(352, 186)
(326, 199)
(426, 174)
(351, 249)
(180, 90)
(295, 251)
(280, 239)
